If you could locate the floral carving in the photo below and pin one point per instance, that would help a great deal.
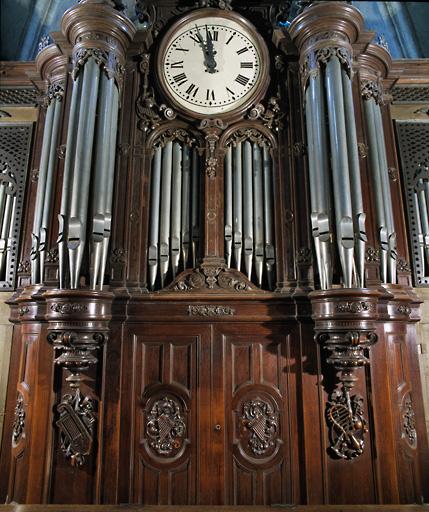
(23, 310)
(176, 134)
(408, 421)
(165, 426)
(212, 129)
(404, 309)
(299, 149)
(118, 256)
(19, 420)
(52, 255)
(251, 134)
(353, 307)
(210, 311)
(56, 91)
(68, 308)
(108, 61)
(76, 426)
(310, 66)
(403, 265)
(212, 277)
(304, 256)
(372, 255)
(393, 173)
(372, 89)
(24, 267)
(362, 150)
(271, 116)
(262, 422)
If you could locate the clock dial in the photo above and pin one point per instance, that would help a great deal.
(212, 64)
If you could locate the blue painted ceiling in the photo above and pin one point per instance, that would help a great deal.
(403, 25)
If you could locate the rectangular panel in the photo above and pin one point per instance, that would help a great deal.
(256, 374)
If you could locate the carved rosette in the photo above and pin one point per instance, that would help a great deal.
(95, 29)
(165, 426)
(345, 326)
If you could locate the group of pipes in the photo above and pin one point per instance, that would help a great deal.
(249, 206)
(381, 187)
(8, 189)
(89, 166)
(174, 218)
(421, 201)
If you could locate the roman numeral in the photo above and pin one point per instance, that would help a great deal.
(242, 79)
(195, 39)
(210, 95)
(178, 65)
(246, 65)
(191, 88)
(230, 92)
(181, 49)
(229, 40)
(239, 52)
(180, 79)
(214, 34)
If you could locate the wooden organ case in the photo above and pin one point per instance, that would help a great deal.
(219, 308)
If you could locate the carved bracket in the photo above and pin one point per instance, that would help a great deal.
(212, 129)
(345, 324)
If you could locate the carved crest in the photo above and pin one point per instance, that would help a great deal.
(76, 426)
(166, 427)
(261, 424)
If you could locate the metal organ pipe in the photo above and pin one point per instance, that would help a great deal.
(237, 205)
(228, 206)
(248, 208)
(154, 217)
(258, 213)
(340, 168)
(164, 234)
(82, 170)
(67, 178)
(268, 216)
(356, 189)
(185, 214)
(423, 214)
(387, 199)
(176, 209)
(195, 208)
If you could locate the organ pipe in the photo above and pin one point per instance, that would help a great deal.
(228, 206)
(195, 209)
(258, 213)
(164, 234)
(154, 217)
(248, 208)
(268, 217)
(176, 197)
(185, 214)
(238, 205)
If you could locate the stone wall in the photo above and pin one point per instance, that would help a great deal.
(5, 344)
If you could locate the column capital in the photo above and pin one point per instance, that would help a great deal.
(51, 68)
(373, 65)
(324, 30)
(95, 29)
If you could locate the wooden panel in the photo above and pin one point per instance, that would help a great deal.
(256, 374)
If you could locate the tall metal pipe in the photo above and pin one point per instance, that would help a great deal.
(268, 216)
(195, 208)
(101, 164)
(387, 198)
(186, 195)
(82, 170)
(228, 206)
(110, 179)
(340, 168)
(67, 179)
(5, 231)
(164, 233)
(176, 209)
(154, 216)
(423, 215)
(355, 182)
(11, 240)
(258, 213)
(237, 204)
(377, 183)
(421, 238)
(47, 199)
(40, 195)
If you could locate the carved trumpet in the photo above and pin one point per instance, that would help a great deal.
(68, 179)
(268, 217)
(228, 206)
(237, 205)
(340, 169)
(40, 195)
(258, 213)
(186, 194)
(82, 170)
(355, 183)
(154, 217)
(164, 233)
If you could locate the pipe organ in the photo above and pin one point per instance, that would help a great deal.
(216, 306)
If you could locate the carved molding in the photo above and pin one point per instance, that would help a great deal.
(251, 134)
(18, 420)
(262, 422)
(76, 424)
(372, 89)
(404, 309)
(212, 129)
(56, 91)
(312, 61)
(166, 426)
(109, 62)
(210, 310)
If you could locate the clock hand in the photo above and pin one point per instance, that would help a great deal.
(211, 63)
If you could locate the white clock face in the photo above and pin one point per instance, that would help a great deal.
(212, 65)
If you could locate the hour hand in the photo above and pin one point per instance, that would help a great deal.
(210, 53)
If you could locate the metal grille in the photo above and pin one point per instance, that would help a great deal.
(14, 155)
(410, 94)
(18, 96)
(413, 138)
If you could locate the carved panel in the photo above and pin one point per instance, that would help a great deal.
(409, 432)
(19, 420)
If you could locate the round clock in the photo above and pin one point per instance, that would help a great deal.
(213, 62)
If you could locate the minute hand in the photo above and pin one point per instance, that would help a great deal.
(211, 63)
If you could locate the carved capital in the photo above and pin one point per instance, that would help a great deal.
(372, 89)
(51, 66)
(96, 29)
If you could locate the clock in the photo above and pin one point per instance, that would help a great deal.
(213, 62)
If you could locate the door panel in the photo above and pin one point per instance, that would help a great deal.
(256, 393)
